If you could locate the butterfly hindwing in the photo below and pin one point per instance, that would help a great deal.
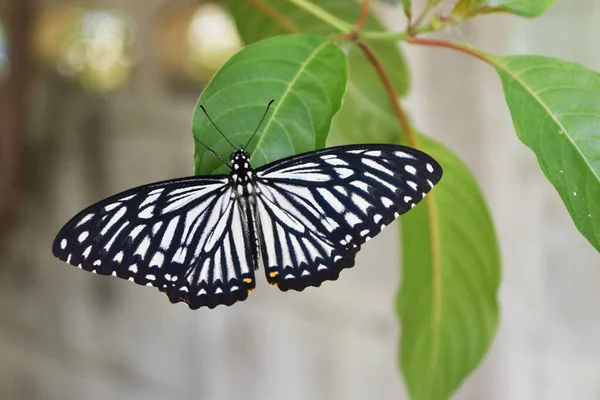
(183, 236)
(320, 207)
(296, 251)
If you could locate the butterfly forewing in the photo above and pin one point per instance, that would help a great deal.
(316, 210)
(183, 236)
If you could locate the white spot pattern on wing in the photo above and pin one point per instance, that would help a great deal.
(348, 213)
(191, 237)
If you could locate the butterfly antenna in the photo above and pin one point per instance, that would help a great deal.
(217, 128)
(211, 150)
(261, 121)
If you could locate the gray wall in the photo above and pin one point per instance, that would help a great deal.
(67, 334)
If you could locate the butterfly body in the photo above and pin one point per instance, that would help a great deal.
(244, 191)
(200, 239)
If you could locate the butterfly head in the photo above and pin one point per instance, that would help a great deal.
(240, 165)
(239, 156)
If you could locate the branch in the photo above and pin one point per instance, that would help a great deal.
(348, 31)
(451, 45)
(396, 36)
(364, 12)
(389, 88)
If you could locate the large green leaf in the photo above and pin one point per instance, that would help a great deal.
(451, 272)
(304, 74)
(366, 114)
(555, 108)
(524, 8)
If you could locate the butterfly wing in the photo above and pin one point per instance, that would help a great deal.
(315, 210)
(184, 236)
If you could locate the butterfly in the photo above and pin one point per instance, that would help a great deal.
(199, 239)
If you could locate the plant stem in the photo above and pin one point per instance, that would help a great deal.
(323, 15)
(363, 15)
(389, 88)
(451, 45)
(396, 36)
(352, 32)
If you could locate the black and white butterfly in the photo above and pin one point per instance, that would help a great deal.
(200, 239)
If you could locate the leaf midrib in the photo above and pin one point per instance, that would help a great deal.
(552, 115)
(287, 91)
(436, 315)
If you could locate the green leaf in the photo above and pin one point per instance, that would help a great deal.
(524, 8)
(259, 19)
(555, 108)
(304, 74)
(451, 272)
(367, 114)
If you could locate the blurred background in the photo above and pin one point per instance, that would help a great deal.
(97, 97)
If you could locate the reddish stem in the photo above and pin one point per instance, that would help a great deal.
(363, 15)
(389, 88)
(449, 45)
